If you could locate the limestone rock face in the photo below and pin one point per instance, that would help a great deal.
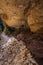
(17, 13)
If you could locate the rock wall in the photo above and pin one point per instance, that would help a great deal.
(35, 19)
(17, 13)
(12, 12)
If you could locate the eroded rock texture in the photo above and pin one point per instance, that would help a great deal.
(35, 19)
(14, 52)
(16, 13)
(12, 12)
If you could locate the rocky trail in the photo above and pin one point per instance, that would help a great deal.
(14, 52)
(21, 50)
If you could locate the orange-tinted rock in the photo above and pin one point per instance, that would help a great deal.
(16, 13)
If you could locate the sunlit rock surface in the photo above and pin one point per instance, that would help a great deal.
(35, 19)
(12, 12)
(14, 52)
(20, 12)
